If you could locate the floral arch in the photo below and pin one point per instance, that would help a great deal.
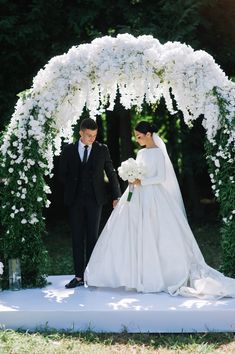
(142, 69)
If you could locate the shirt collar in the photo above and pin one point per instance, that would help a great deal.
(82, 145)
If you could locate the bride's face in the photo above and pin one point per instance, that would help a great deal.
(141, 138)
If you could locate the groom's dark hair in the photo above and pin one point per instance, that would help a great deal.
(88, 123)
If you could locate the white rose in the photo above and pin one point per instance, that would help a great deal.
(23, 221)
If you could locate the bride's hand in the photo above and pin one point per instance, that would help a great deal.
(137, 182)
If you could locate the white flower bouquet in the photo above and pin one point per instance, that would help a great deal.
(130, 170)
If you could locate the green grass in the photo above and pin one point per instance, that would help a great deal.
(59, 246)
(89, 342)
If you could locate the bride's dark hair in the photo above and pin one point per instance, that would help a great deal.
(146, 127)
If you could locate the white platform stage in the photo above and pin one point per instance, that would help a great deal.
(107, 310)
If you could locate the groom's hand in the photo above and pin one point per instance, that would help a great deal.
(115, 202)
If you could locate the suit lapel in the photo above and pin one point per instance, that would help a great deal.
(76, 156)
(93, 155)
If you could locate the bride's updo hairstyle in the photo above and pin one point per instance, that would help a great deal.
(146, 127)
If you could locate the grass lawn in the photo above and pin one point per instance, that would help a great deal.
(58, 243)
(79, 343)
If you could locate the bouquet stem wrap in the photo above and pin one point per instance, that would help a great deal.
(131, 190)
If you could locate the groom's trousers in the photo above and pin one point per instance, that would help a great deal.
(84, 219)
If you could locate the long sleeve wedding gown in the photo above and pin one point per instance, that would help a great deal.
(147, 243)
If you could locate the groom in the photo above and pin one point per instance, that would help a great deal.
(81, 170)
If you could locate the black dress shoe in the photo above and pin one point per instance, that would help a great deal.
(74, 282)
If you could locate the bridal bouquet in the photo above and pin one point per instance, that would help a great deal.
(130, 170)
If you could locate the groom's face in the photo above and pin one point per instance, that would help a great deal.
(88, 136)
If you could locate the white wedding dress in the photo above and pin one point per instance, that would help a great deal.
(147, 243)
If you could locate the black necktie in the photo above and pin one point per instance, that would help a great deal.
(84, 160)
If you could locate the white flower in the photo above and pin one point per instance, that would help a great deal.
(10, 170)
(217, 163)
(12, 215)
(39, 199)
(47, 189)
(31, 162)
(131, 170)
(23, 221)
(33, 219)
(47, 203)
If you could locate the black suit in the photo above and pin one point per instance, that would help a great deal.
(84, 195)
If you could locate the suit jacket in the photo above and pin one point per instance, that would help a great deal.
(70, 172)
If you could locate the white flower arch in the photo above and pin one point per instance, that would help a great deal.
(89, 75)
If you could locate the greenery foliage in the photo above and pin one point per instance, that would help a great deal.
(224, 183)
(23, 196)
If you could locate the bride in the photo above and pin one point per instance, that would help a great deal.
(147, 243)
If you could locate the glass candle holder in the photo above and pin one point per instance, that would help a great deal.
(14, 274)
(1, 274)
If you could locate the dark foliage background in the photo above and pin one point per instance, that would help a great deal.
(32, 32)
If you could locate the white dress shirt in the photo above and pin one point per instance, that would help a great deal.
(81, 149)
